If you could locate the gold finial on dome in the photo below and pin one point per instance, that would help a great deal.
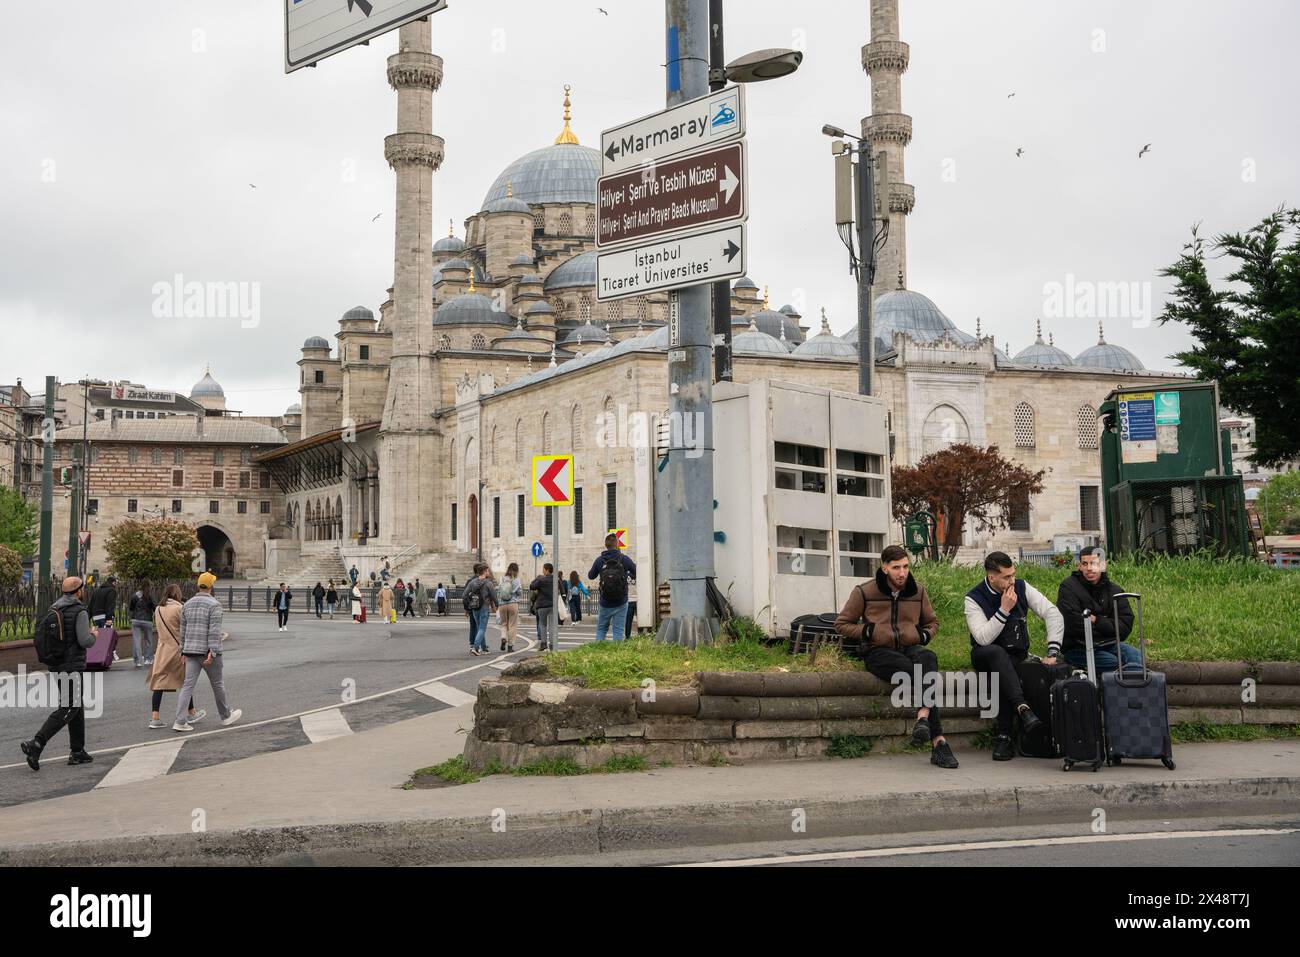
(900, 278)
(471, 280)
(765, 304)
(566, 134)
(510, 188)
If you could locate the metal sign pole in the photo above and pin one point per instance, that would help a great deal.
(555, 578)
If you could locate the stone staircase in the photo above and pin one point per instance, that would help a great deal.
(434, 567)
(313, 568)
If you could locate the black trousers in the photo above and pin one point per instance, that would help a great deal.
(884, 663)
(410, 611)
(73, 714)
(994, 659)
(282, 615)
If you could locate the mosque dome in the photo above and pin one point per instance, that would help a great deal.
(469, 308)
(564, 172)
(358, 313)
(316, 342)
(1105, 355)
(578, 271)
(659, 339)
(585, 334)
(914, 315)
(294, 409)
(744, 282)
(541, 307)
(450, 243)
(757, 343)
(508, 204)
(773, 322)
(207, 387)
(1041, 353)
(826, 345)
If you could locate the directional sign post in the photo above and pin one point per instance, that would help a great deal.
(553, 486)
(703, 122)
(316, 29)
(700, 189)
(671, 264)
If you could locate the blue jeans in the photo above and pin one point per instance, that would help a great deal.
(1105, 658)
(480, 620)
(607, 616)
(544, 625)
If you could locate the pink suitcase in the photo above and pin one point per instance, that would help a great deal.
(99, 656)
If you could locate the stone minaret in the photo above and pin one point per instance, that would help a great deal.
(408, 444)
(888, 128)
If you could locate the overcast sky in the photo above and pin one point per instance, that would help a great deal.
(132, 130)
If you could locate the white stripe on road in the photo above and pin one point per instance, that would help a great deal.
(143, 764)
(325, 725)
(501, 665)
(447, 694)
(989, 845)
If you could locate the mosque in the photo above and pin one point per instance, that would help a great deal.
(415, 428)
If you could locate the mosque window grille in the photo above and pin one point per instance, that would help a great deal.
(641, 309)
(1087, 427)
(478, 343)
(614, 311)
(584, 308)
(589, 224)
(1018, 514)
(539, 221)
(566, 224)
(444, 342)
(1023, 425)
(558, 305)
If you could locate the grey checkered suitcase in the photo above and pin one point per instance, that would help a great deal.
(1135, 708)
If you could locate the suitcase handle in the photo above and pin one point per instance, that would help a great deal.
(1087, 640)
(1142, 646)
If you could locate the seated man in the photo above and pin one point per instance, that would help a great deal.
(1090, 592)
(892, 619)
(997, 613)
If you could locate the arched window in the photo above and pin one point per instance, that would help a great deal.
(1087, 427)
(589, 224)
(444, 342)
(575, 439)
(584, 308)
(478, 343)
(558, 304)
(566, 224)
(546, 433)
(1023, 425)
(539, 221)
(614, 311)
(943, 427)
(640, 309)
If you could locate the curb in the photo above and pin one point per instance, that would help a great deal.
(595, 832)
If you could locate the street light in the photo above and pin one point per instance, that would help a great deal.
(762, 65)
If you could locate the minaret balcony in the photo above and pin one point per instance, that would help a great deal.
(413, 69)
(889, 55)
(887, 128)
(902, 197)
(413, 149)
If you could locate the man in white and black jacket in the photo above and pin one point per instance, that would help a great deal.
(997, 612)
(1088, 591)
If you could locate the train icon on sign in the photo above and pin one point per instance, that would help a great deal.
(723, 117)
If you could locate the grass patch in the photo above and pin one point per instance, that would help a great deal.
(984, 739)
(717, 760)
(621, 764)
(452, 771)
(547, 767)
(627, 664)
(849, 746)
(1190, 732)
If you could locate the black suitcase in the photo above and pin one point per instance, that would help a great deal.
(811, 632)
(1135, 706)
(1076, 713)
(1036, 680)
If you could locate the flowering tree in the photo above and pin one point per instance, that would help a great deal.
(960, 482)
(152, 548)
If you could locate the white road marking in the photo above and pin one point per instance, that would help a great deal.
(325, 725)
(530, 645)
(446, 693)
(988, 845)
(501, 665)
(143, 764)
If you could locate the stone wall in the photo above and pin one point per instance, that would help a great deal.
(524, 716)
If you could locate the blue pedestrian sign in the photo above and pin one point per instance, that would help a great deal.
(537, 549)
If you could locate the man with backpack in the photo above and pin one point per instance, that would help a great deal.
(61, 640)
(892, 620)
(318, 596)
(613, 569)
(480, 598)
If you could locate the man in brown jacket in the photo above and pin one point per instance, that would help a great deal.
(891, 618)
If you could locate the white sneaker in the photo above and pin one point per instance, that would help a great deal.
(182, 726)
(197, 716)
(234, 716)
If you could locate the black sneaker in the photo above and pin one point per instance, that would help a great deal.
(33, 752)
(503, 644)
(1002, 749)
(510, 648)
(941, 755)
(80, 757)
(1028, 720)
(920, 733)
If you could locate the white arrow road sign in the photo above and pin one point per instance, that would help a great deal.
(315, 29)
(706, 121)
(671, 264)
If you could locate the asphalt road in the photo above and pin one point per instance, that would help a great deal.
(273, 677)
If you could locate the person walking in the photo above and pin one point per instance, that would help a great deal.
(358, 606)
(353, 574)
(103, 603)
(508, 594)
(480, 600)
(613, 569)
(577, 592)
(544, 587)
(168, 671)
(421, 599)
(331, 598)
(386, 613)
(201, 637)
(399, 597)
(67, 623)
(408, 609)
(318, 597)
(281, 602)
(142, 634)
(440, 597)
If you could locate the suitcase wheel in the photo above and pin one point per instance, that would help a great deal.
(1096, 766)
(1115, 759)
(1067, 765)
(1168, 762)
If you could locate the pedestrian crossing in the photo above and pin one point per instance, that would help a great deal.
(448, 695)
(325, 725)
(142, 764)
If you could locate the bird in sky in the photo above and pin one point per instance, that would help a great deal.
(1020, 150)
(1145, 149)
(1010, 95)
(603, 10)
(376, 216)
(254, 187)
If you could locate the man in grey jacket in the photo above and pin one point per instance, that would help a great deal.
(75, 623)
(201, 645)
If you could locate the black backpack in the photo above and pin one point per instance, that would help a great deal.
(613, 582)
(474, 596)
(50, 640)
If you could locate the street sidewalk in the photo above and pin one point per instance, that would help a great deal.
(341, 801)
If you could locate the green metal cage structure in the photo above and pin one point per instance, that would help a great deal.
(1179, 517)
